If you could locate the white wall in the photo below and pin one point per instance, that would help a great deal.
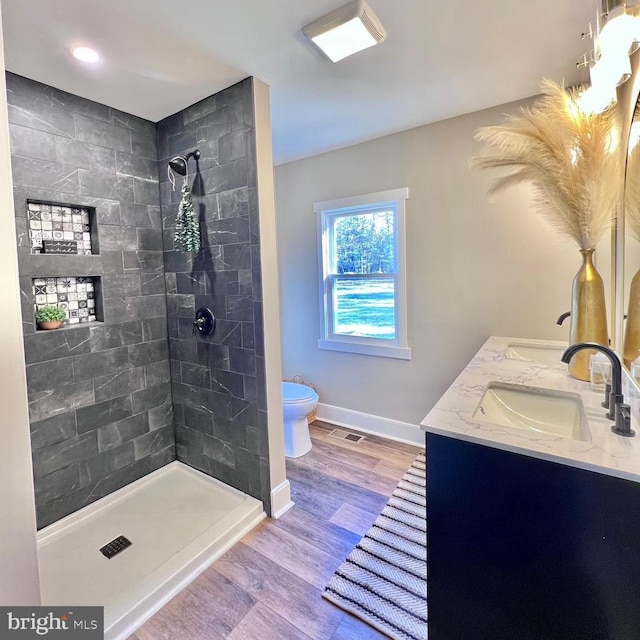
(19, 583)
(474, 268)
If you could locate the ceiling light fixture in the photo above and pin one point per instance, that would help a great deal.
(85, 54)
(346, 30)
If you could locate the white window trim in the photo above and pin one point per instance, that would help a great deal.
(352, 344)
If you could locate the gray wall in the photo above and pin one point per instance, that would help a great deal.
(99, 394)
(218, 382)
(475, 268)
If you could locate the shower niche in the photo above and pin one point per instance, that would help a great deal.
(60, 228)
(77, 296)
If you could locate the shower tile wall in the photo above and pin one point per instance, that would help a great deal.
(218, 382)
(99, 395)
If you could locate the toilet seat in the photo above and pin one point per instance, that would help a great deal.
(293, 393)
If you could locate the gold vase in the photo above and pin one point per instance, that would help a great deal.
(631, 346)
(588, 314)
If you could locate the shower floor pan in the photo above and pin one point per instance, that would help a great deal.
(178, 521)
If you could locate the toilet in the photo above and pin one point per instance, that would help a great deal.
(298, 401)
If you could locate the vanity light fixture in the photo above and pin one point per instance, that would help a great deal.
(86, 54)
(346, 30)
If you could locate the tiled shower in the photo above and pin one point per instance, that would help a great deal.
(125, 387)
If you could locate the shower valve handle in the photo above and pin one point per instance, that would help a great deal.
(205, 322)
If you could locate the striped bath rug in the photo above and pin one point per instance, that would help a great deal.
(383, 581)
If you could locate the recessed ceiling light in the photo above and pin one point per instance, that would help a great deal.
(85, 54)
(346, 30)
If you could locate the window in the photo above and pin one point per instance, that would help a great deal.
(362, 274)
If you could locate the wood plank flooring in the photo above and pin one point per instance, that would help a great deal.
(268, 586)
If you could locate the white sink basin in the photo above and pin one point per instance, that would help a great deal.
(536, 352)
(537, 410)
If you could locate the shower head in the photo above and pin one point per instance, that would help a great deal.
(178, 164)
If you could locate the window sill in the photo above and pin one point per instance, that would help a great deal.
(399, 353)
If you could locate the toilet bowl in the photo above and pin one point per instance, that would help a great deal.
(298, 401)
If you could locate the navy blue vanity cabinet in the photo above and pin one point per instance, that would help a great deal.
(525, 549)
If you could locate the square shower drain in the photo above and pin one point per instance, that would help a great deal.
(114, 547)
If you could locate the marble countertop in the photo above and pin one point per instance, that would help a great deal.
(605, 452)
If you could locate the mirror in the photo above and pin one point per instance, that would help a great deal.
(627, 234)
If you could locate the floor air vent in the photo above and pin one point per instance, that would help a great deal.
(114, 547)
(345, 435)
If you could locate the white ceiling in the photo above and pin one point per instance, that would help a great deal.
(439, 60)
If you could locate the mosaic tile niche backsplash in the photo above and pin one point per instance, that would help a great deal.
(76, 295)
(63, 223)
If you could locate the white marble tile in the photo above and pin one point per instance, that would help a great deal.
(605, 452)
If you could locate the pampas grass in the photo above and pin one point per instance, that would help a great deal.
(632, 188)
(569, 157)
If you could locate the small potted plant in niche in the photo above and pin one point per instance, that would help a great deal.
(50, 317)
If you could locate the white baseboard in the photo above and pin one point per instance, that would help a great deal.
(281, 499)
(383, 427)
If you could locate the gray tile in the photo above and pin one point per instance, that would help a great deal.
(148, 352)
(32, 143)
(149, 240)
(49, 375)
(228, 231)
(239, 308)
(142, 215)
(110, 336)
(60, 455)
(92, 365)
(82, 106)
(146, 191)
(52, 430)
(152, 283)
(144, 307)
(83, 155)
(50, 345)
(242, 361)
(227, 176)
(103, 134)
(49, 403)
(50, 512)
(144, 145)
(232, 146)
(118, 238)
(183, 350)
(154, 329)
(189, 448)
(161, 416)
(57, 484)
(51, 176)
(122, 284)
(157, 373)
(151, 397)
(31, 104)
(134, 124)
(200, 110)
(237, 256)
(198, 419)
(105, 185)
(147, 261)
(97, 415)
(219, 451)
(119, 384)
(195, 374)
(94, 469)
(193, 283)
(134, 165)
(153, 441)
(227, 382)
(116, 433)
